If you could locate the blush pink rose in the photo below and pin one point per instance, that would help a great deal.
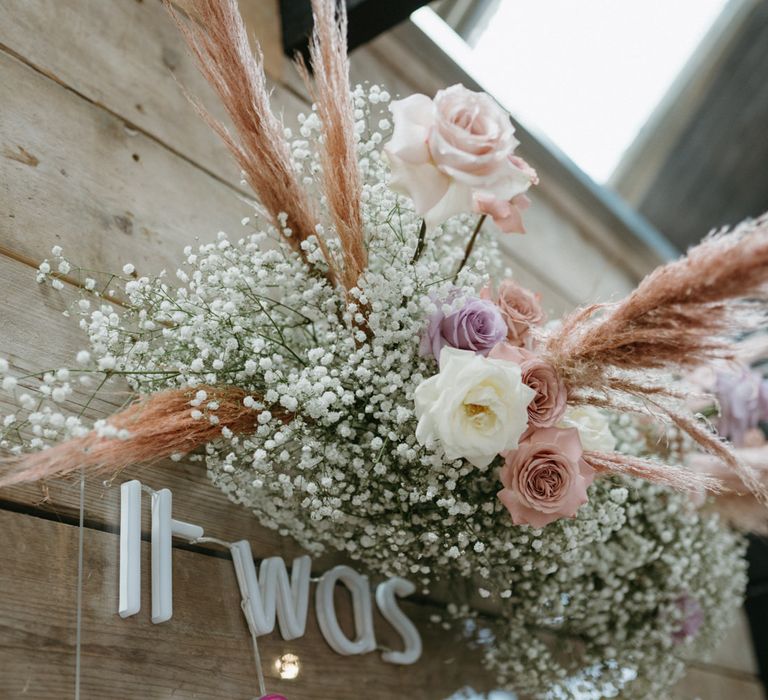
(507, 214)
(550, 401)
(520, 308)
(545, 478)
(445, 151)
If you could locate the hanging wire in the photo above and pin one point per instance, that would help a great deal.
(256, 657)
(246, 611)
(80, 548)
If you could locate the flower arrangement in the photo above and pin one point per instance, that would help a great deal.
(369, 380)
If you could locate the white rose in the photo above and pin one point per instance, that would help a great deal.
(593, 426)
(451, 152)
(474, 407)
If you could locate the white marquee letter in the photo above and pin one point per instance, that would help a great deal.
(290, 599)
(272, 593)
(357, 584)
(130, 548)
(386, 599)
(162, 573)
(164, 528)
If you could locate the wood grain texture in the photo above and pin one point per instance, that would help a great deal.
(103, 191)
(127, 57)
(702, 683)
(202, 652)
(262, 20)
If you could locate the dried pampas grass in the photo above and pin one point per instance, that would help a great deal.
(682, 315)
(740, 509)
(676, 477)
(217, 38)
(159, 425)
(330, 91)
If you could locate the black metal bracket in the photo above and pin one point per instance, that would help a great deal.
(367, 19)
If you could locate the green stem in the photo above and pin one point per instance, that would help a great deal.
(420, 245)
(470, 245)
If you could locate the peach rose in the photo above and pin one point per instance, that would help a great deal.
(445, 151)
(545, 478)
(549, 403)
(520, 308)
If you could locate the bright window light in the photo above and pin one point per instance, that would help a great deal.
(586, 75)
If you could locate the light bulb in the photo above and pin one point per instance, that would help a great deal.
(288, 666)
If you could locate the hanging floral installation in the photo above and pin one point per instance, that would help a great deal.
(357, 369)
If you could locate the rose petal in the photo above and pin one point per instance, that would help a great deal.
(413, 118)
(424, 184)
(456, 199)
(521, 515)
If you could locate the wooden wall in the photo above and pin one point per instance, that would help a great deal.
(101, 153)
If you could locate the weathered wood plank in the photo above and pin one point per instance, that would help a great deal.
(103, 191)
(129, 57)
(263, 22)
(701, 683)
(202, 652)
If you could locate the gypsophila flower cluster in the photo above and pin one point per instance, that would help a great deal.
(334, 460)
(608, 620)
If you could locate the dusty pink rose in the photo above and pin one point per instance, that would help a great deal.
(549, 404)
(520, 308)
(545, 478)
(445, 151)
(508, 216)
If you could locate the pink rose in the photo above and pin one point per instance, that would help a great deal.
(549, 403)
(520, 309)
(545, 478)
(508, 216)
(445, 151)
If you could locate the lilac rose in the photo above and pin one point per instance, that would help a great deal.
(743, 397)
(692, 618)
(476, 326)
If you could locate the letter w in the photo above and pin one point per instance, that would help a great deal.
(272, 593)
